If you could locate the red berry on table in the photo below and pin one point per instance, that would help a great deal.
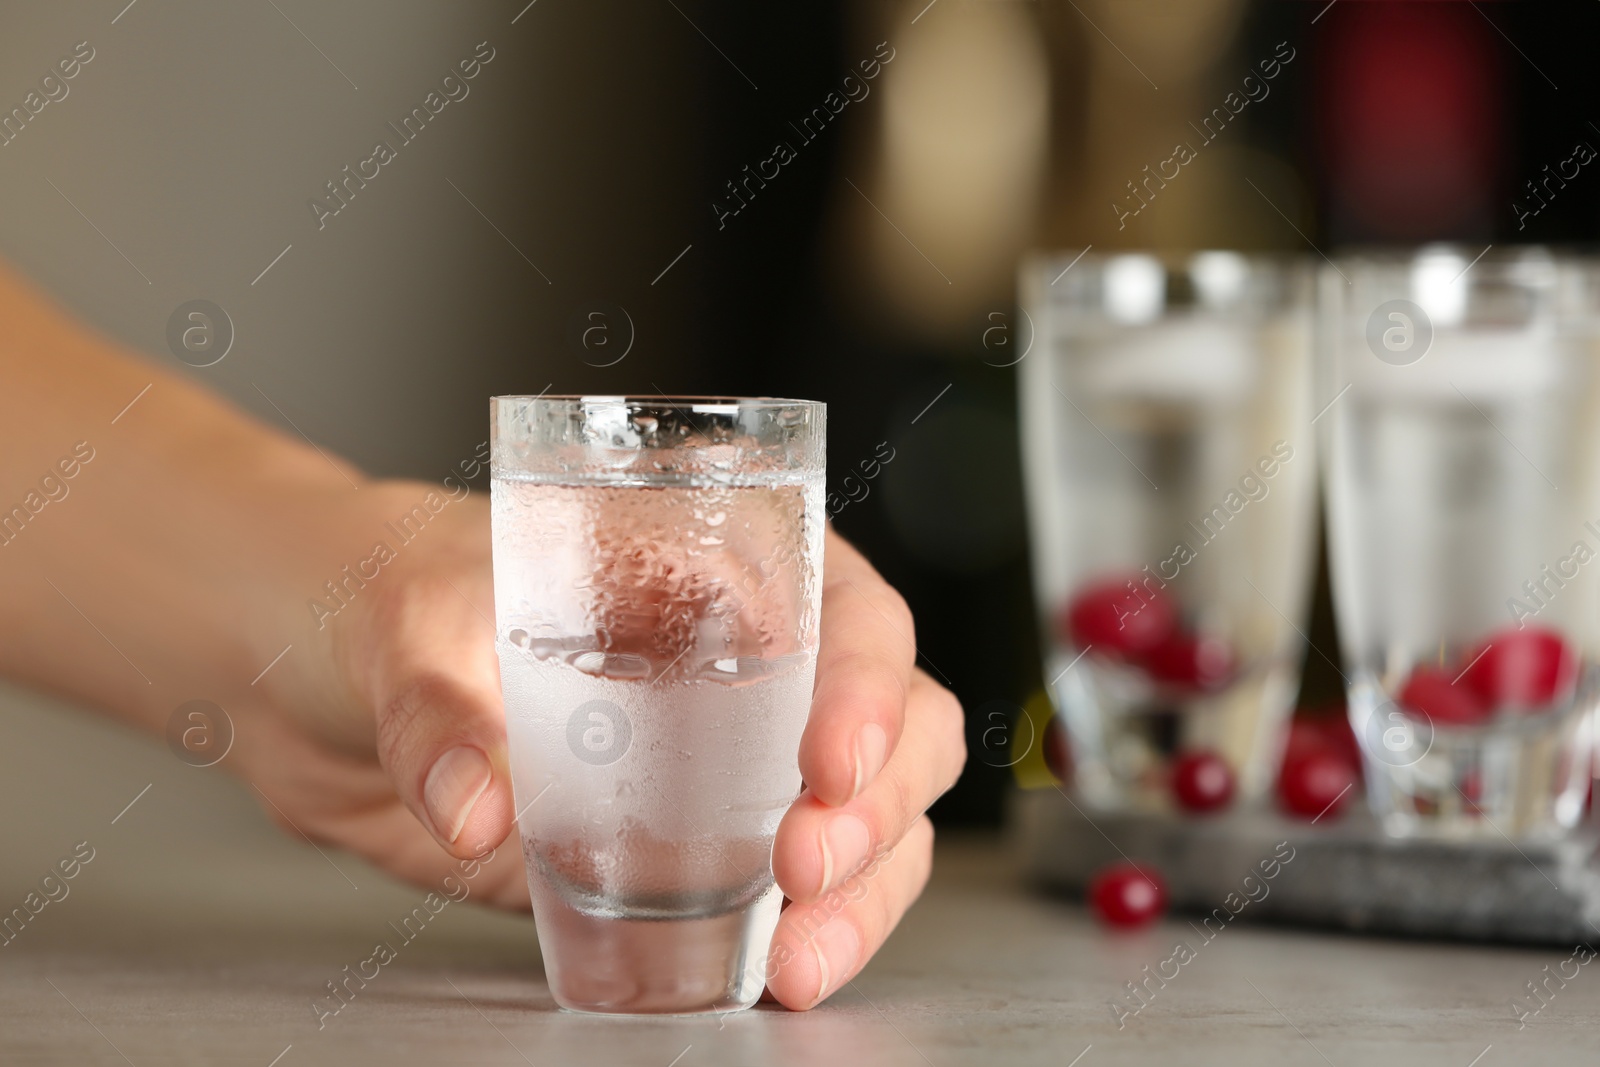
(1189, 662)
(1305, 737)
(1318, 784)
(1126, 895)
(1119, 616)
(1530, 668)
(1322, 731)
(1202, 781)
(1432, 692)
(1341, 737)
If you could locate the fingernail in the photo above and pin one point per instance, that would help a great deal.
(454, 784)
(845, 842)
(837, 947)
(872, 746)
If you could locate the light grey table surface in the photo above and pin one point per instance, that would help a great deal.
(198, 934)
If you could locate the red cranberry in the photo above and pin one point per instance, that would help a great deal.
(1341, 738)
(1316, 784)
(1184, 661)
(1126, 895)
(1529, 668)
(1202, 781)
(1322, 731)
(1120, 617)
(1305, 737)
(1057, 750)
(1429, 690)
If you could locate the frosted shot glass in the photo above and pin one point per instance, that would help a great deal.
(657, 570)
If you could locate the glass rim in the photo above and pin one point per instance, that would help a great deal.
(1167, 257)
(657, 440)
(660, 400)
(1391, 255)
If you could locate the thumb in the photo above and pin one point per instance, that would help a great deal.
(441, 732)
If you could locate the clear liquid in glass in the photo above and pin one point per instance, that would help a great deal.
(657, 651)
(1173, 457)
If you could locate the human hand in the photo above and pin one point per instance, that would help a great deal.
(883, 742)
(389, 740)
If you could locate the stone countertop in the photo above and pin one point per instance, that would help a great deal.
(198, 934)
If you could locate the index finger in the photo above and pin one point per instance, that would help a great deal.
(863, 674)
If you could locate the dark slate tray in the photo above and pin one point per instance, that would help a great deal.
(1346, 874)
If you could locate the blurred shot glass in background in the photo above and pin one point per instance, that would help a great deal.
(1463, 452)
(657, 572)
(1171, 483)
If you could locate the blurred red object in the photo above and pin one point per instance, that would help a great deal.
(1410, 118)
(1126, 895)
(1316, 731)
(1119, 617)
(1321, 764)
(1530, 668)
(1317, 785)
(1432, 692)
(1202, 781)
(1184, 661)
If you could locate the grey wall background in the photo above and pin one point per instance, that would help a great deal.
(595, 143)
(197, 134)
(192, 142)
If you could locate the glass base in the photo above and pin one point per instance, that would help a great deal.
(1518, 777)
(1124, 734)
(620, 966)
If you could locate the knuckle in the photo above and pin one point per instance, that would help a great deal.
(860, 660)
(403, 719)
(899, 612)
(952, 719)
(951, 730)
(901, 807)
(864, 676)
(881, 603)
(884, 910)
(394, 603)
(900, 881)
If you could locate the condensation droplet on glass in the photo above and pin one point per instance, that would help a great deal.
(519, 637)
(716, 520)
